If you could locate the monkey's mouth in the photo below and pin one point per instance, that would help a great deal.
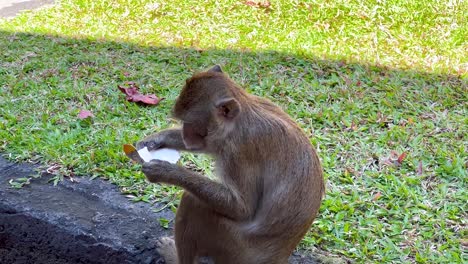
(194, 136)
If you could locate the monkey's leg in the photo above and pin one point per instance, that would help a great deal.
(187, 231)
(186, 251)
(197, 232)
(169, 138)
(167, 249)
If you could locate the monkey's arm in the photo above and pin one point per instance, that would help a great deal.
(222, 199)
(169, 138)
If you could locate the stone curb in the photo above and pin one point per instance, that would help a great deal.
(88, 221)
(85, 222)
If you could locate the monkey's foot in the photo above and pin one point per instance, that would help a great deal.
(167, 249)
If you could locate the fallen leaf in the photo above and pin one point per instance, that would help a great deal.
(388, 162)
(133, 95)
(401, 157)
(395, 159)
(350, 171)
(464, 242)
(83, 114)
(419, 171)
(265, 4)
(347, 80)
(377, 196)
(354, 126)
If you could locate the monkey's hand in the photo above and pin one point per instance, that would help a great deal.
(222, 199)
(161, 171)
(152, 142)
(170, 138)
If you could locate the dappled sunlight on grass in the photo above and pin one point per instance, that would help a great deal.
(424, 35)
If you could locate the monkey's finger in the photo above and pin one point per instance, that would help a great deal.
(142, 144)
(154, 145)
(147, 167)
(150, 167)
(156, 163)
(151, 145)
(155, 170)
(135, 157)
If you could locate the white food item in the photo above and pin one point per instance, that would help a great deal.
(170, 155)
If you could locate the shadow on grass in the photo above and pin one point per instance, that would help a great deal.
(350, 110)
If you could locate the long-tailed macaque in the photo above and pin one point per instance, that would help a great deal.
(270, 183)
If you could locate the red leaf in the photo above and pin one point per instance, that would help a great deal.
(377, 196)
(401, 157)
(133, 95)
(83, 114)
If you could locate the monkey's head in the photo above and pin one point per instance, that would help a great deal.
(208, 105)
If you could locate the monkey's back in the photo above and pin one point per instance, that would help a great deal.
(291, 178)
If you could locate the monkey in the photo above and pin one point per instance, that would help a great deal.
(269, 183)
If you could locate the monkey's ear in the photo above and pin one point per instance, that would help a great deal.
(228, 108)
(216, 68)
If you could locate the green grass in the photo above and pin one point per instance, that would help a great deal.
(368, 80)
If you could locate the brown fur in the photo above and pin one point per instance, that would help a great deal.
(270, 179)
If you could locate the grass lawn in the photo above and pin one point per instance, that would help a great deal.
(380, 86)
